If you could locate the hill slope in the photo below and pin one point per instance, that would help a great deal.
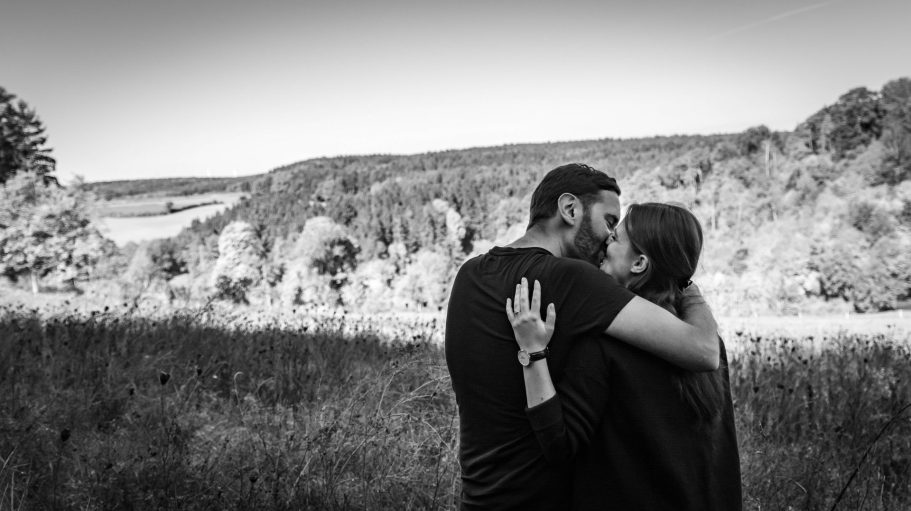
(817, 219)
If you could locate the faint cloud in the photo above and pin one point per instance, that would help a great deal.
(766, 21)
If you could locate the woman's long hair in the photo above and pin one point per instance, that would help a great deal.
(671, 237)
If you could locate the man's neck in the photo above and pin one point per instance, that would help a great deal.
(538, 237)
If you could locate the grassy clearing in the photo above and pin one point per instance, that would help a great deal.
(106, 410)
(163, 205)
(122, 230)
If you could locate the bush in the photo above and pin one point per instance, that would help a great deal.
(234, 290)
(240, 259)
(873, 279)
(753, 140)
(870, 219)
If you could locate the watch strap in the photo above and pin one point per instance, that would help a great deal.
(538, 355)
(526, 359)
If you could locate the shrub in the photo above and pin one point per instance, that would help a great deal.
(240, 259)
(870, 219)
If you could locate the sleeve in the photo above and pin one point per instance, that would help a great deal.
(592, 301)
(568, 421)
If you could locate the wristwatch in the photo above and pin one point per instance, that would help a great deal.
(526, 358)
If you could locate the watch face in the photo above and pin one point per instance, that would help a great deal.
(524, 358)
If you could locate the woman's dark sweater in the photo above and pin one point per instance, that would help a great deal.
(633, 442)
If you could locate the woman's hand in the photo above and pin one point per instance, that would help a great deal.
(531, 333)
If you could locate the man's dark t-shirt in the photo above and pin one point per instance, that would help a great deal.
(502, 465)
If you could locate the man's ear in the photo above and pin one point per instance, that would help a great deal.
(640, 264)
(569, 207)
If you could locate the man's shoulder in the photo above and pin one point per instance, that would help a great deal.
(471, 265)
(537, 254)
(576, 269)
(532, 263)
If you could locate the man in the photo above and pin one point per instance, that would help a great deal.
(572, 212)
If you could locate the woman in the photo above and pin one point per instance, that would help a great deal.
(640, 432)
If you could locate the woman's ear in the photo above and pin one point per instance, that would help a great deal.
(640, 264)
(569, 208)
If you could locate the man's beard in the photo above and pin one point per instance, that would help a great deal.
(586, 243)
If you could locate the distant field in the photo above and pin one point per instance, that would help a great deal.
(150, 206)
(123, 228)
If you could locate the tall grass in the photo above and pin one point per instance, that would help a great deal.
(107, 410)
(813, 411)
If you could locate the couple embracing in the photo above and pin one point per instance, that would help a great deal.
(619, 398)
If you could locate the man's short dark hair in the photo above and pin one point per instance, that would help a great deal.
(576, 178)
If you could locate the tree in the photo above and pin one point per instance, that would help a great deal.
(870, 219)
(240, 259)
(47, 229)
(22, 141)
(327, 248)
(874, 278)
(369, 289)
(425, 282)
(166, 255)
(896, 100)
(319, 263)
(753, 140)
(853, 121)
(857, 119)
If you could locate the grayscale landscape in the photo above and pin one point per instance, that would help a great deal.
(225, 262)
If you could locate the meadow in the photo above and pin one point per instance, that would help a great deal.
(122, 408)
(138, 206)
(145, 218)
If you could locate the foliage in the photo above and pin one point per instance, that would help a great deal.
(387, 199)
(167, 258)
(22, 141)
(875, 278)
(319, 262)
(140, 272)
(905, 216)
(370, 290)
(896, 100)
(853, 121)
(46, 229)
(393, 208)
(162, 187)
(753, 140)
(425, 282)
(240, 258)
(870, 219)
(326, 247)
(410, 220)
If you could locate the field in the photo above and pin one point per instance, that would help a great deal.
(163, 205)
(222, 408)
(127, 220)
(169, 187)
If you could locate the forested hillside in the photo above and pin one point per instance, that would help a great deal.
(817, 220)
(107, 190)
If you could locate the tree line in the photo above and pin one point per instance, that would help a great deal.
(814, 219)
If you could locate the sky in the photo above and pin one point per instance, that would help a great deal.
(132, 89)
